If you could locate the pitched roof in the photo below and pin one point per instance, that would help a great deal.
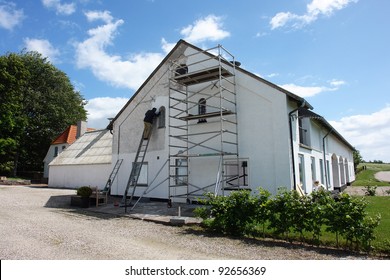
(68, 136)
(304, 113)
(94, 147)
(181, 43)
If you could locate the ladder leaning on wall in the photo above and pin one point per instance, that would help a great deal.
(111, 178)
(135, 171)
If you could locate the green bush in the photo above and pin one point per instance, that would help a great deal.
(286, 213)
(84, 191)
(233, 214)
(281, 212)
(370, 191)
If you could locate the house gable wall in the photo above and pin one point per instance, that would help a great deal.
(264, 133)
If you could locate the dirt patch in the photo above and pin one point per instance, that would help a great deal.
(383, 176)
(361, 191)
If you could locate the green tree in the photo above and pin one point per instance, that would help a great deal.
(38, 103)
(357, 158)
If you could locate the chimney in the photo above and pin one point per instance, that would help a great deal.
(81, 128)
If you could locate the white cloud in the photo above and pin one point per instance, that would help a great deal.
(204, 29)
(101, 108)
(280, 19)
(314, 9)
(167, 47)
(303, 91)
(209, 28)
(117, 71)
(62, 9)
(10, 16)
(337, 83)
(131, 72)
(96, 15)
(309, 91)
(44, 47)
(272, 75)
(369, 133)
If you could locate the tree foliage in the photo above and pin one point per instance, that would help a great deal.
(38, 102)
(357, 158)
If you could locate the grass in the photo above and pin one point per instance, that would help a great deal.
(366, 176)
(381, 205)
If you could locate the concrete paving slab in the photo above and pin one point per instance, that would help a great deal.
(383, 176)
(154, 211)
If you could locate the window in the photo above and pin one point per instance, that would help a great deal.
(304, 131)
(181, 176)
(231, 170)
(161, 117)
(313, 169)
(55, 151)
(341, 170)
(302, 180)
(328, 172)
(202, 109)
(143, 173)
(63, 147)
(322, 171)
(182, 69)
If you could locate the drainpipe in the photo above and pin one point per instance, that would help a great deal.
(325, 165)
(292, 142)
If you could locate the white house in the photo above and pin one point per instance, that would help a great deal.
(63, 141)
(223, 128)
(220, 128)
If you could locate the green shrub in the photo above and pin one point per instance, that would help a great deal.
(263, 211)
(231, 214)
(321, 204)
(241, 213)
(370, 191)
(281, 216)
(84, 191)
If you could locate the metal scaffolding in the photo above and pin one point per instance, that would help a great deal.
(203, 131)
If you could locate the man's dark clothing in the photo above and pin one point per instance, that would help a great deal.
(148, 121)
(150, 115)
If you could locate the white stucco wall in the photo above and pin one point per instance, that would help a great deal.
(337, 175)
(50, 156)
(263, 133)
(127, 133)
(75, 176)
(264, 139)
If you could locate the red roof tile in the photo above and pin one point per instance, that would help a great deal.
(68, 136)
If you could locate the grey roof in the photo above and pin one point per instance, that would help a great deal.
(304, 113)
(94, 147)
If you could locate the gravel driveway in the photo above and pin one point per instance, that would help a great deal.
(38, 223)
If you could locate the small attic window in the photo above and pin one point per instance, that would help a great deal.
(202, 109)
(181, 70)
(161, 117)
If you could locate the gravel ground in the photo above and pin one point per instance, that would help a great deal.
(38, 223)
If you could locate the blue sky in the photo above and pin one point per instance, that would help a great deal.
(335, 53)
